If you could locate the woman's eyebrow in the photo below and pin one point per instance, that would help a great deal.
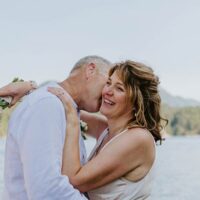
(117, 83)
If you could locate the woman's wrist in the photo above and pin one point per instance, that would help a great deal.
(31, 86)
(73, 124)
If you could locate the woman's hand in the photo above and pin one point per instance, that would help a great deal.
(70, 110)
(16, 90)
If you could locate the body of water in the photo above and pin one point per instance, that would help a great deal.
(178, 168)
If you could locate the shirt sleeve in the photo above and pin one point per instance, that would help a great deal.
(41, 149)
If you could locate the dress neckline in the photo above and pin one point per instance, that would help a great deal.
(100, 141)
(112, 139)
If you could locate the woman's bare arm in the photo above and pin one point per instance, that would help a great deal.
(117, 159)
(16, 90)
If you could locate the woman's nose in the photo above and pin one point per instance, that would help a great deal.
(109, 90)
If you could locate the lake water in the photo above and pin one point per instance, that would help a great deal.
(178, 170)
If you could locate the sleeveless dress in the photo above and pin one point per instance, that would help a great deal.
(121, 189)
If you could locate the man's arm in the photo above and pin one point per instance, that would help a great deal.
(96, 123)
(41, 152)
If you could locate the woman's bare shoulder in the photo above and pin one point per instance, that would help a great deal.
(139, 136)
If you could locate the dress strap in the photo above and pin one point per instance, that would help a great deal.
(116, 136)
(101, 139)
(99, 142)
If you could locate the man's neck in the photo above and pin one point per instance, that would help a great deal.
(72, 88)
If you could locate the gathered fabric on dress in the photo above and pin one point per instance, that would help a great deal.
(122, 189)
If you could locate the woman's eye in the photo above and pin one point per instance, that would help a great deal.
(120, 89)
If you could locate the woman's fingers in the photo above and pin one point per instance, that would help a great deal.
(62, 95)
(58, 92)
(17, 89)
(5, 91)
(15, 99)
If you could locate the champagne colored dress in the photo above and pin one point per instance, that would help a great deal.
(121, 189)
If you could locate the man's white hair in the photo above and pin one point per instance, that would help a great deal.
(100, 62)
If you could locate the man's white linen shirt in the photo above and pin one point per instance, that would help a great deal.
(34, 148)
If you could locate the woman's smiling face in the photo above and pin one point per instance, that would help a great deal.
(114, 98)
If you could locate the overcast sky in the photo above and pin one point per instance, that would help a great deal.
(42, 39)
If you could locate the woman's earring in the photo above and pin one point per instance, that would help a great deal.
(136, 116)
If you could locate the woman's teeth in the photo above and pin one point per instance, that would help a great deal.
(108, 102)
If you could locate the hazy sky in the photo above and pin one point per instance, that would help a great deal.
(42, 39)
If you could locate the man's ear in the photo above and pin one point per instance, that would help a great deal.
(90, 70)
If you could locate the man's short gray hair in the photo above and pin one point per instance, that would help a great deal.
(100, 62)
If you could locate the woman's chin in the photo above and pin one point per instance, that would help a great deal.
(104, 112)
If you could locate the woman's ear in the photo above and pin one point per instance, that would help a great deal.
(90, 70)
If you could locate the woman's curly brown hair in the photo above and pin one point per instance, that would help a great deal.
(142, 88)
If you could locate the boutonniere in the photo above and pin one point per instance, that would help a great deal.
(5, 101)
(84, 129)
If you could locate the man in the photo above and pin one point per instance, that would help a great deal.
(36, 135)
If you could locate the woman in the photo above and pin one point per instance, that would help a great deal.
(122, 164)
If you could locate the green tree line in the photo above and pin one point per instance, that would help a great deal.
(182, 121)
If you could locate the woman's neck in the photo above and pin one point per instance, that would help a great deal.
(116, 126)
